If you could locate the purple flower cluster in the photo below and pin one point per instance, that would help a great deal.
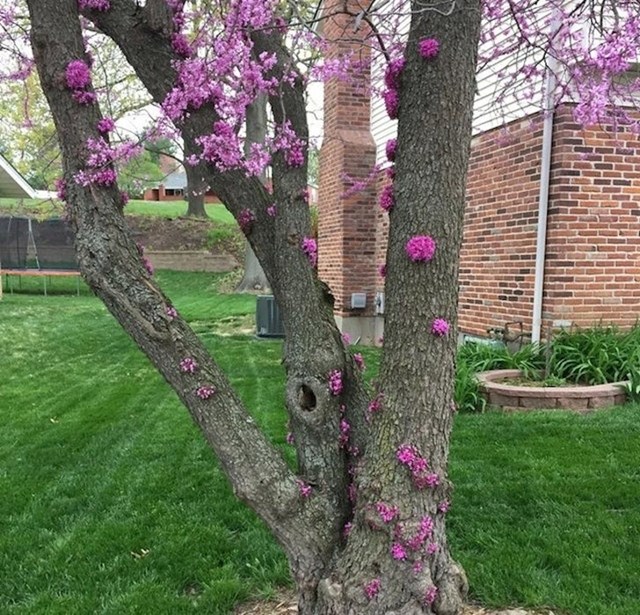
(375, 405)
(180, 44)
(425, 531)
(310, 249)
(398, 552)
(409, 456)
(429, 48)
(78, 75)
(147, 264)
(78, 79)
(171, 312)
(420, 248)
(390, 149)
(387, 198)
(440, 327)
(444, 506)
(335, 382)
(272, 211)
(205, 392)
(246, 218)
(359, 359)
(188, 365)
(387, 513)
(61, 189)
(391, 103)
(106, 125)
(94, 5)
(382, 270)
(345, 433)
(430, 595)
(372, 589)
(304, 488)
(390, 96)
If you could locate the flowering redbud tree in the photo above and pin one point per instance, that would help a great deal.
(362, 517)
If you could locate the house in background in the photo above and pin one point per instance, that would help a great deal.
(552, 225)
(173, 186)
(12, 184)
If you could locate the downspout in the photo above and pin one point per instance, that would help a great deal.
(543, 197)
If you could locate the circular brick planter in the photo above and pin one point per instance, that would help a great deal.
(512, 397)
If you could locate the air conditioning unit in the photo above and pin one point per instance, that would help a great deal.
(268, 321)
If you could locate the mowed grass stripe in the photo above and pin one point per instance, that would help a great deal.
(111, 502)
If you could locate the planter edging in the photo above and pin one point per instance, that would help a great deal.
(513, 397)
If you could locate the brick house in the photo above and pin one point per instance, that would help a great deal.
(173, 186)
(588, 263)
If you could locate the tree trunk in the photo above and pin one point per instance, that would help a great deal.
(254, 277)
(371, 474)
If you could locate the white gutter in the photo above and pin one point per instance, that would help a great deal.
(543, 198)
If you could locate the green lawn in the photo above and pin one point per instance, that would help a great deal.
(110, 502)
(216, 212)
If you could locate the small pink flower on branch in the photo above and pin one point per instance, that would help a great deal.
(382, 270)
(290, 439)
(346, 530)
(440, 327)
(390, 149)
(359, 359)
(106, 125)
(94, 5)
(61, 189)
(429, 48)
(180, 44)
(393, 72)
(304, 488)
(444, 506)
(83, 97)
(432, 548)
(387, 199)
(391, 103)
(246, 218)
(375, 405)
(420, 248)
(372, 589)
(272, 211)
(205, 392)
(148, 265)
(310, 249)
(431, 595)
(398, 552)
(188, 365)
(387, 513)
(171, 312)
(345, 432)
(335, 382)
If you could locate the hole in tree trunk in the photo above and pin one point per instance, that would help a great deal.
(307, 398)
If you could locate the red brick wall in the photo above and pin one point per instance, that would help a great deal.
(497, 262)
(593, 237)
(346, 226)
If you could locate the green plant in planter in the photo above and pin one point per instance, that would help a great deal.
(596, 356)
(632, 387)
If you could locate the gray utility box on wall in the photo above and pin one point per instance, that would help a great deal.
(268, 321)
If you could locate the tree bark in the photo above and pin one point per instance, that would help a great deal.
(254, 277)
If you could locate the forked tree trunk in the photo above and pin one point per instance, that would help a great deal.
(395, 560)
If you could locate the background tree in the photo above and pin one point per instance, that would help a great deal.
(362, 517)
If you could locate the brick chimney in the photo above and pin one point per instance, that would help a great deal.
(347, 225)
